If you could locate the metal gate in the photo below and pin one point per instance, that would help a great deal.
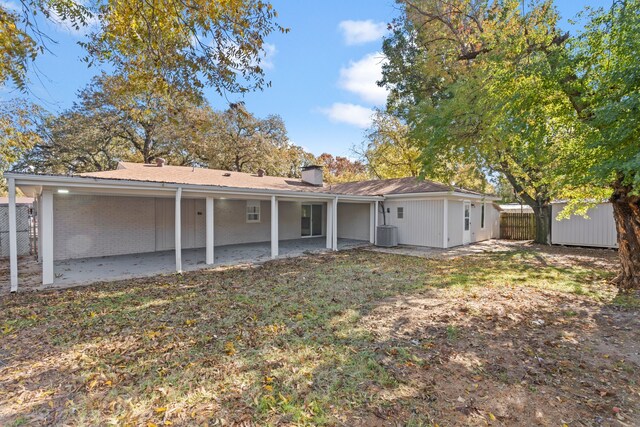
(25, 231)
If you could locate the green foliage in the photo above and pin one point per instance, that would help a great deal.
(21, 39)
(390, 151)
(606, 57)
(481, 93)
(341, 169)
(20, 122)
(118, 120)
(161, 43)
(237, 140)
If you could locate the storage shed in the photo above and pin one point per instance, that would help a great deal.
(598, 230)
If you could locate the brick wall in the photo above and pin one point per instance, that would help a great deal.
(90, 226)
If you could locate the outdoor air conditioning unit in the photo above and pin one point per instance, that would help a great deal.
(387, 236)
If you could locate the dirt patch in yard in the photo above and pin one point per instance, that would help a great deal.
(516, 356)
(526, 336)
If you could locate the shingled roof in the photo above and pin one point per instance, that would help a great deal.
(222, 178)
(408, 185)
(201, 176)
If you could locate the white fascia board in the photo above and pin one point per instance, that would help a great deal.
(441, 195)
(118, 184)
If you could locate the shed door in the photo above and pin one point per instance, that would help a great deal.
(466, 223)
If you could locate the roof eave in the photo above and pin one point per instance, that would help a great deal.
(441, 194)
(94, 182)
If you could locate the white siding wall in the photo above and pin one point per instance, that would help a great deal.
(92, 226)
(492, 222)
(353, 221)
(422, 224)
(598, 230)
(495, 222)
(478, 233)
(455, 223)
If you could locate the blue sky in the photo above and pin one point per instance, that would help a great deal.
(323, 72)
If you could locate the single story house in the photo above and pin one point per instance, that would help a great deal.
(597, 230)
(153, 208)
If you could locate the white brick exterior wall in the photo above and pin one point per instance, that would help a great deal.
(91, 226)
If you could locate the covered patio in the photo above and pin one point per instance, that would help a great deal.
(119, 267)
(94, 229)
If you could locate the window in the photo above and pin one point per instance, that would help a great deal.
(482, 216)
(400, 213)
(253, 210)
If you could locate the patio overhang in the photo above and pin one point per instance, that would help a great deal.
(50, 190)
(33, 185)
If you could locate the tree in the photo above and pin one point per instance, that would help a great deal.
(390, 152)
(20, 121)
(115, 120)
(21, 39)
(163, 43)
(74, 142)
(151, 124)
(237, 140)
(341, 169)
(393, 152)
(469, 78)
(603, 85)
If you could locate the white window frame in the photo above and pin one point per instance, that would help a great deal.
(400, 212)
(253, 208)
(483, 216)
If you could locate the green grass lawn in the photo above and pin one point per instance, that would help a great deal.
(351, 338)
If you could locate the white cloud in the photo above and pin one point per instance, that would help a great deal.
(360, 32)
(360, 77)
(65, 26)
(352, 114)
(268, 55)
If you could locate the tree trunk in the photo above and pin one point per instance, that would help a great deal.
(626, 211)
(542, 214)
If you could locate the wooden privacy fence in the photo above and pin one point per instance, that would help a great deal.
(517, 226)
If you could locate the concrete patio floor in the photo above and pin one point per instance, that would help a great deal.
(110, 268)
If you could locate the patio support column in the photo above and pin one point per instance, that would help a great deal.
(274, 227)
(445, 224)
(13, 235)
(372, 222)
(375, 220)
(329, 224)
(178, 230)
(46, 226)
(334, 223)
(209, 230)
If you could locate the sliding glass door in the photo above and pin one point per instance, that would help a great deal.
(311, 220)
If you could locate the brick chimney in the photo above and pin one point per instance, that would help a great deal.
(312, 174)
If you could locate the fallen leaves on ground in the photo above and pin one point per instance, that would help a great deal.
(526, 337)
